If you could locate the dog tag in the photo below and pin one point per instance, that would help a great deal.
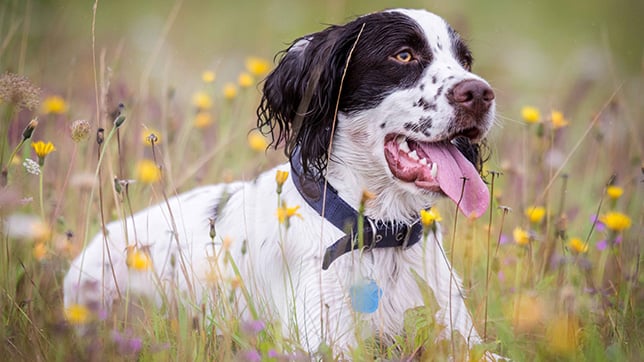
(365, 296)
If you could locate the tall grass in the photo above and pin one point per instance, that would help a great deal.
(550, 272)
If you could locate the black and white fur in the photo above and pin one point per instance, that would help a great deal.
(380, 96)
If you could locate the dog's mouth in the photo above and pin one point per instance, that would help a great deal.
(438, 167)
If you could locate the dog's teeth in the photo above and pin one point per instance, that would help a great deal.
(434, 170)
(400, 139)
(404, 147)
(423, 161)
(413, 155)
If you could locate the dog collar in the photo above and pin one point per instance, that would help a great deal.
(344, 217)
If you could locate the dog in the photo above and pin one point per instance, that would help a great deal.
(379, 119)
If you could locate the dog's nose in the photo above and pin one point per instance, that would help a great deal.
(473, 95)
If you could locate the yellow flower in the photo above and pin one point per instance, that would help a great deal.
(148, 135)
(526, 311)
(245, 80)
(257, 66)
(577, 246)
(148, 172)
(284, 213)
(42, 149)
(280, 178)
(616, 221)
(54, 105)
(226, 243)
(203, 120)
(202, 101)
(429, 217)
(521, 237)
(77, 314)
(530, 114)
(208, 76)
(535, 214)
(563, 335)
(137, 259)
(614, 192)
(40, 251)
(229, 91)
(557, 119)
(257, 142)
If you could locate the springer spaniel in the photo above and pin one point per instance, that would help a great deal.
(385, 104)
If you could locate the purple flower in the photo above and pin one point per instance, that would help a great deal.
(599, 226)
(503, 239)
(253, 327)
(251, 356)
(501, 276)
(272, 353)
(601, 245)
(126, 343)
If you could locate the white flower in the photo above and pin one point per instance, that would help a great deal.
(31, 166)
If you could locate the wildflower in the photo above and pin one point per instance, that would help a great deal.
(42, 149)
(429, 217)
(202, 101)
(257, 142)
(526, 311)
(252, 327)
(150, 136)
(530, 114)
(226, 243)
(40, 251)
(203, 119)
(257, 66)
(236, 282)
(245, 80)
(31, 166)
(29, 129)
(138, 259)
(230, 91)
(366, 196)
(521, 237)
(127, 343)
(616, 221)
(54, 105)
(557, 120)
(251, 356)
(77, 314)
(284, 213)
(614, 192)
(563, 335)
(208, 76)
(119, 116)
(535, 214)
(148, 172)
(280, 178)
(80, 130)
(577, 246)
(19, 91)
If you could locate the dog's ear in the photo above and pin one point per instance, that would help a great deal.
(299, 97)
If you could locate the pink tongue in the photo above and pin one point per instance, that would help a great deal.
(452, 168)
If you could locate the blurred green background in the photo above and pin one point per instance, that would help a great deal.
(523, 47)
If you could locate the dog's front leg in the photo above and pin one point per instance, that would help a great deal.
(446, 285)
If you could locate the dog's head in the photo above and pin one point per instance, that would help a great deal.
(407, 105)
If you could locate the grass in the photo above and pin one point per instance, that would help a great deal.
(542, 284)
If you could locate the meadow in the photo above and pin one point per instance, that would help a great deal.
(109, 107)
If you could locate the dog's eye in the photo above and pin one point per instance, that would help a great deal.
(404, 56)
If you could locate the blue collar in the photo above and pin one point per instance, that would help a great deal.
(344, 217)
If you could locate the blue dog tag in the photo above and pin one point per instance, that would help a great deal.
(365, 296)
